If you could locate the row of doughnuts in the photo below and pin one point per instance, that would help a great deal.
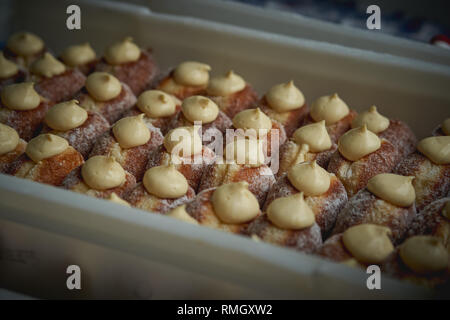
(105, 127)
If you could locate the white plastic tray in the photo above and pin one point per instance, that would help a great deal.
(127, 253)
(296, 25)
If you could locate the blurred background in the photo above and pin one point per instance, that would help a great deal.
(417, 20)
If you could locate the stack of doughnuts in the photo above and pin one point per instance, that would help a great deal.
(354, 188)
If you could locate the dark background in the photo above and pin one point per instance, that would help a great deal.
(417, 20)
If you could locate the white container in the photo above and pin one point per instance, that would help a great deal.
(127, 253)
(297, 25)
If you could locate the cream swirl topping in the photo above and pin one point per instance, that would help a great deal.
(285, 97)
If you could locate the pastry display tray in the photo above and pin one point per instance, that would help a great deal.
(128, 253)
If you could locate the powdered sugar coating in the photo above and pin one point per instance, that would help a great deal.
(290, 151)
(111, 110)
(138, 75)
(431, 181)
(430, 221)
(326, 207)
(306, 240)
(85, 136)
(401, 136)
(355, 174)
(364, 207)
(27, 123)
(334, 249)
(141, 199)
(61, 87)
(133, 160)
(192, 168)
(260, 179)
(233, 104)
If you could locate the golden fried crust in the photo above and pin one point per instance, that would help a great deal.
(141, 199)
(231, 105)
(430, 221)
(326, 207)
(133, 160)
(394, 266)
(221, 123)
(336, 130)
(61, 87)
(260, 179)
(51, 171)
(26, 123)
(85, 136)
(138, 75)
(333, 249)
(401, 136)
(74, 182)
(355, 175)
(8, 158)
(291, 120)
(168, 84)
(431, 181)
(364, 207)
(306, 240)
(290, 155)
(20, 76)
(191, 171)
(201, 209)
(163, 123)
(111, 110)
